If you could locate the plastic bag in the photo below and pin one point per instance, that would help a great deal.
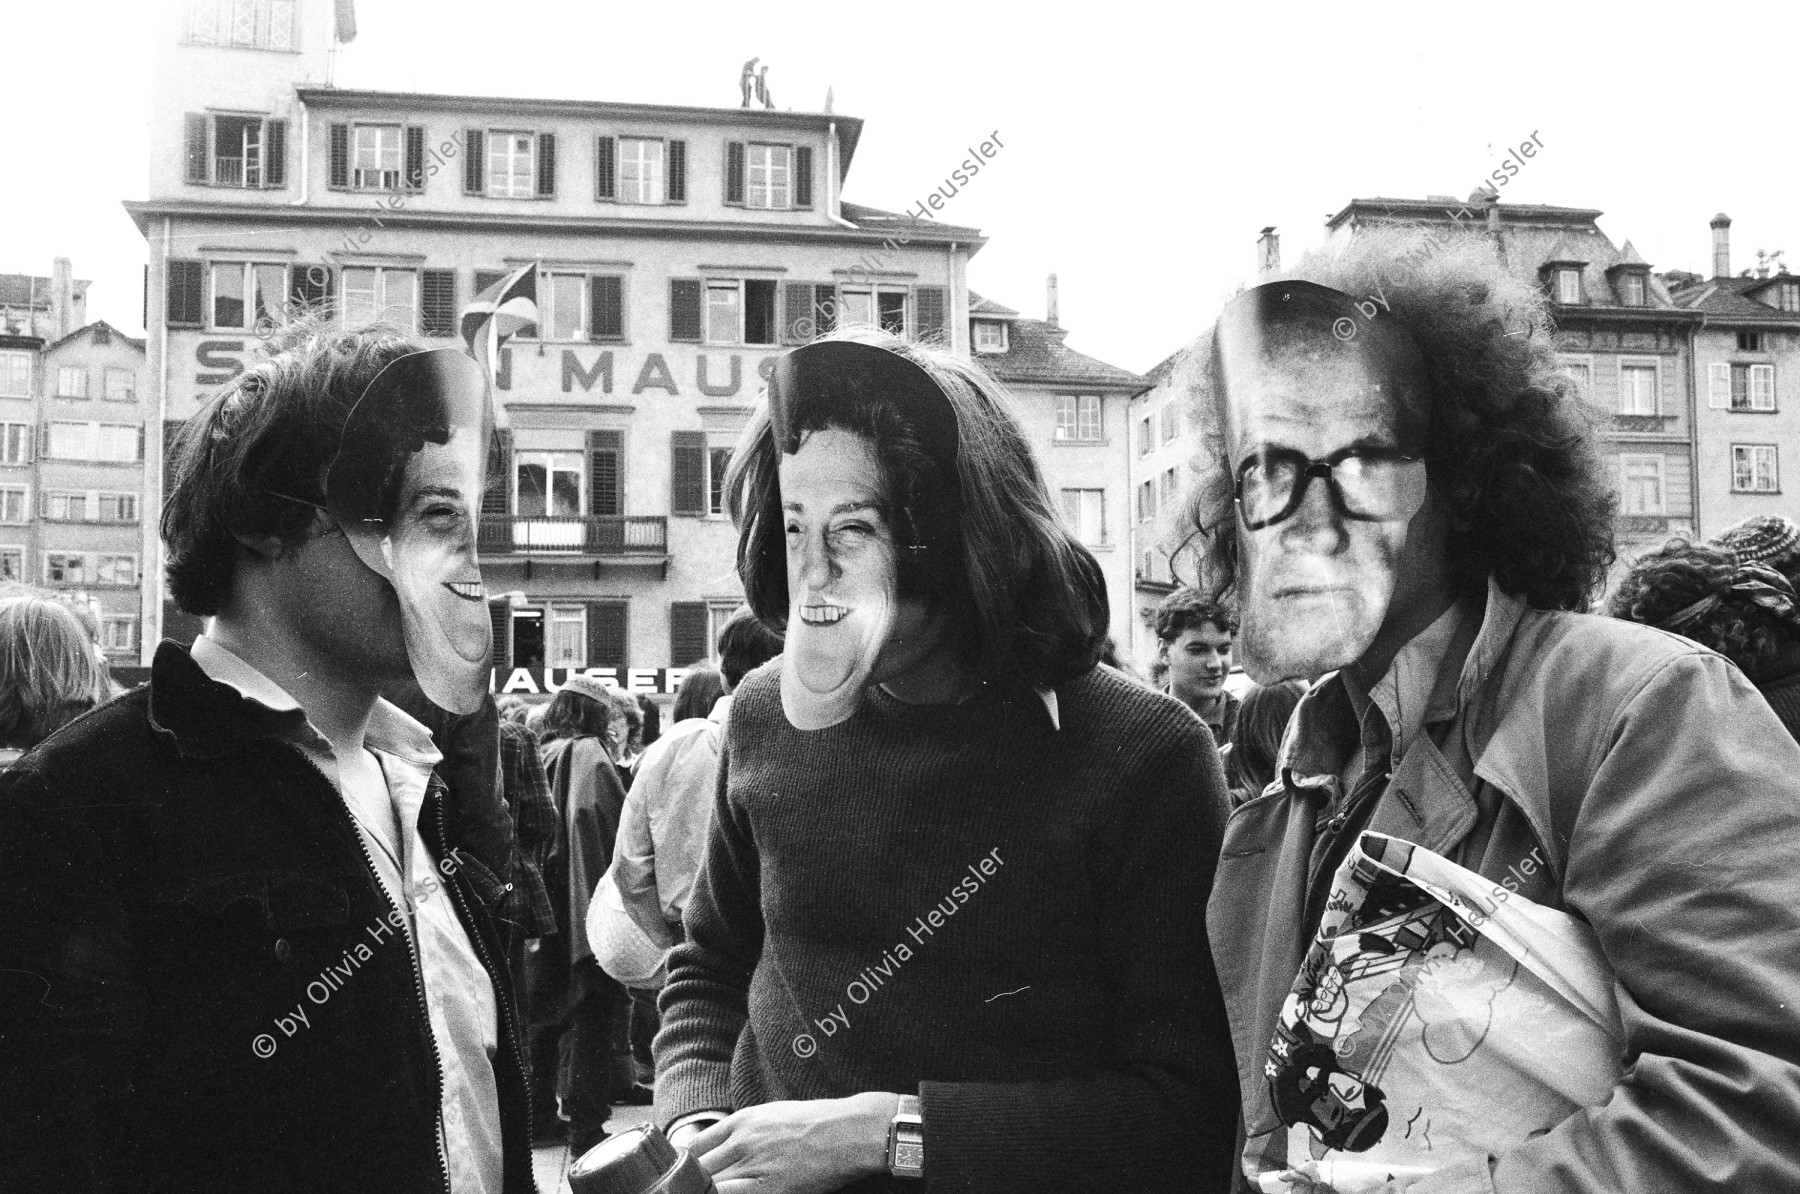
(1438, 1018)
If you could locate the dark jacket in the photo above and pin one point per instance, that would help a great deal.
(177, 885)
(1665, 797)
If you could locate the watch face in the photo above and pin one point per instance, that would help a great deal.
(909, 1156)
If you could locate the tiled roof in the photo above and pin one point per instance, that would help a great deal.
(988, 307)
(1729, 298)
(876, 220)
(1036, 355)
(1159, 372)
(134, 341)
(19, 290)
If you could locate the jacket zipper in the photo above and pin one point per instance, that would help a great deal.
(437, 1062)
(509, 1014)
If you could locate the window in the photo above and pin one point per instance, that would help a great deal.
(1568, 286)
(235, 151)
(383, 295)
(549, 483)
(1634, 289)
(1170, 421)
(1641, 484)
(1146, 501)
(248, 295)
(1752, 387)
(65, 568)
(1750, 341)
(119, 634)
(1637, 388)
(15, 374)
(1146, 436)
(78, 506)
(718, 460)
(1788, 297)
(1582, 374)
(118, 507)
(769, 176)
(990, 335)
(568, 637)
(65, 507)
(246, 24)
(717, 614)
(510, 163)
(15, 443)
(724, 313)
(12, 563)
(116, 570)
(640, 170)
(565, 314)
(375, 162)
(71, 382)
(1753, 469)
(1078, 417)
(108, 443)
(1170, 486)
(1085, 512)
(15, 504)
(121, 385)
(890, 311)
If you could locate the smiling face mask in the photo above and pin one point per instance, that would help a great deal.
(406, 488)
(853, 616)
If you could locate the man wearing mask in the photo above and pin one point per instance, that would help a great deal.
(246, 950)
(1405, 499)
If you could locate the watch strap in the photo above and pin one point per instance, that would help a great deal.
(906, 1139)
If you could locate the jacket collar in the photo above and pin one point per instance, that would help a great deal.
(203, 718)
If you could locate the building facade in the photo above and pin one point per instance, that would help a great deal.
(680, 250)
(1160, 463)
(1074, 411)
(1747, 355)
(72, 427)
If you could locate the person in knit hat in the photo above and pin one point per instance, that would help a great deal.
(1772, 539)
(1736, 604)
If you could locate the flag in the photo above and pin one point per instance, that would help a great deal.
(503, 309)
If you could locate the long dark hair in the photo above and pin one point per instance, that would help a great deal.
(572, 714)
(698, 693)
(1030, 599)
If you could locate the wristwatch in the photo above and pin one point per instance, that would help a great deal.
(906, 1140)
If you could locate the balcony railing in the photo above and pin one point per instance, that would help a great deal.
(573, 535)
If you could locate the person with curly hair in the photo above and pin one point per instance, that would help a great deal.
(1401, 491)
(1744, 610)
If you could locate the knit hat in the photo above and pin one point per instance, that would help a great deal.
(1770, 539)
(587, 686)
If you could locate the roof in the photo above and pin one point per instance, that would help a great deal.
(1730, 299)
(849, 127)
(97, 325)
(989, 308)
(1159, 372)
(876, 220)
(1036, 355)
(21, 290)
(1444, 209)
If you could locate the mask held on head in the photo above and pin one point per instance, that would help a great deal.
(406, 488)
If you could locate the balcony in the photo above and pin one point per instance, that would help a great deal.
(575, 537)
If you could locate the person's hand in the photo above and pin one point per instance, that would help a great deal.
(810, 1147)
(683, 1137)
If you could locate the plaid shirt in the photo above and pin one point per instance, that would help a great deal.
(527, 794)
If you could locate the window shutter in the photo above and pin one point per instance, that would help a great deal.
(338, 156)
(606, 302)
(500, 618)
(546, 164)
(688, 473)
(196, 148)
(928, 304)
(309, 286)
(183, 303)
(684, 310)
(802, 176)
(677, 182)
(607, 624)
(1762, 387)
(415, 157)
(496, 498)
(437, 302)
(796, 313)
(604, 496)
(275, 165)
(734, 172)
(140, 443)
(606, 168)
(1718, 385)
(825, 307)
(474, 161)
(688, 625)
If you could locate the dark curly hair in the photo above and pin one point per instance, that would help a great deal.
(253, 461)
(1675, 576)
(1510, 446)
(1187, 608)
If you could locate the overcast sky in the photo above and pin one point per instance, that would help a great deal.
(1144, 145)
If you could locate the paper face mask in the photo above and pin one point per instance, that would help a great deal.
(846, 558)
(406, 489)
(1321, 434)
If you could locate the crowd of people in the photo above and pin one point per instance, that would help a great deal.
(1403, 870)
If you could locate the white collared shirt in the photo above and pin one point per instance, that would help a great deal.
(458, 992)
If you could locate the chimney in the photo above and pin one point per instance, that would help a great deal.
(62, 298)
(1050, 304)
(1721, 230)
(1268, 252)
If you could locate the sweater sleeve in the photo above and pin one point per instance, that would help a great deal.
(1163, 1116)
(704, 1005)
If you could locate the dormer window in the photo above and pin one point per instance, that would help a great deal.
(1787, 296)
(990, 335)
(1634, 290)
(1568, 285)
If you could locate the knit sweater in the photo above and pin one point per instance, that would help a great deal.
(965, 902)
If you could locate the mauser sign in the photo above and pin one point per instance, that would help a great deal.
(716, 375)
